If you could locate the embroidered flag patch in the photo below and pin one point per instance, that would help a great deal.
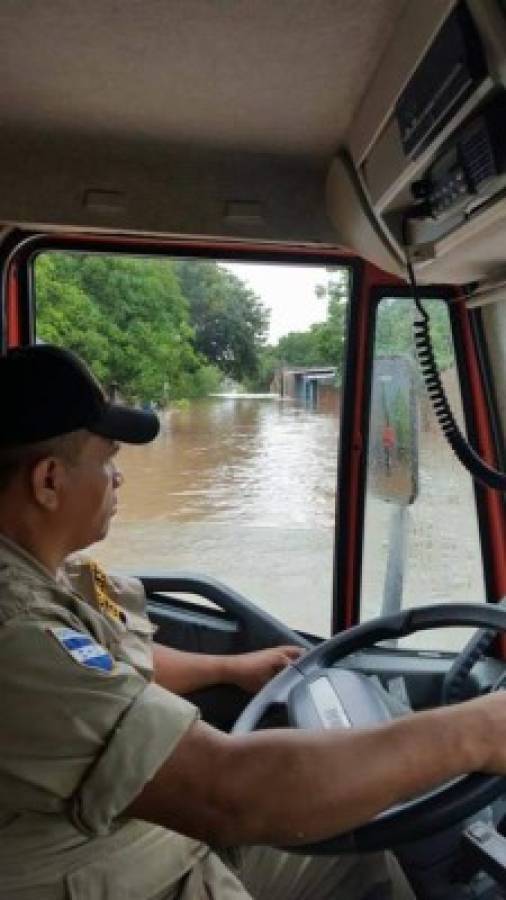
(83, 649)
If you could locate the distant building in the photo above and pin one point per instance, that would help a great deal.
(312, 386)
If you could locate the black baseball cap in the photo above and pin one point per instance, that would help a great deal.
(47, 391)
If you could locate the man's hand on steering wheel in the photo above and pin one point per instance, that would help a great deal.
(251, 671)
(320, 696)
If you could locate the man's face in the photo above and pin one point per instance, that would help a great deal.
(90, 496)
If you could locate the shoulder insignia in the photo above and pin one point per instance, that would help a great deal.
(83, 649)
(105, 602)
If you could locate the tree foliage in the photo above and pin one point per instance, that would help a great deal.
(230, 323)
(145, 325)
(162, 330)
(323, 344)
(68, 316)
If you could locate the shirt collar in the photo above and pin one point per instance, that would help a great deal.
(12, 554)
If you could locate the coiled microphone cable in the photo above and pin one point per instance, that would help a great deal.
(479, 469)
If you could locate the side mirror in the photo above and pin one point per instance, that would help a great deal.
(393, 434)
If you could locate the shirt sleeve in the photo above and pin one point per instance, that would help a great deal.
(81, 732)
(126, 593)
(137, 641)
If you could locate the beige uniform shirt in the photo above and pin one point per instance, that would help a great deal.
(83, 727)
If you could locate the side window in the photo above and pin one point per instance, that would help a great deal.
(421, 541)
(243, 363)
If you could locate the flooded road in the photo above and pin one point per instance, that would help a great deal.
(240, 489)
(235, 461)
(244, 490)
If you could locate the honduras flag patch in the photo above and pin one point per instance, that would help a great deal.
(83, 649)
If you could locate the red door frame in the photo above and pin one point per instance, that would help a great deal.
(352, 461)
(352, 470)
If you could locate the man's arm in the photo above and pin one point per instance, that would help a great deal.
(289, 787)
(183, 673)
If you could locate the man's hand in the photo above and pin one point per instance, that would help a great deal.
(250, 671)
(184, 673)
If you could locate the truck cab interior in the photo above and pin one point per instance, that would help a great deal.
(364, 137)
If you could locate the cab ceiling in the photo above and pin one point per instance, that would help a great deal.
(278, 77)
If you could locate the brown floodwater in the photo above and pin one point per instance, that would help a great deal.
(256, 462)
(243, 489)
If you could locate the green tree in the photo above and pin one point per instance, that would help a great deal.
(67, 316)
(332, 334)
(301, 348)
(268, 361)
(229, 321)
(394, 328)
(126, 316)
(322, 344)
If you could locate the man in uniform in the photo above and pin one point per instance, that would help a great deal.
(110, 785)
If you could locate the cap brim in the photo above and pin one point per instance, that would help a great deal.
(130, 426)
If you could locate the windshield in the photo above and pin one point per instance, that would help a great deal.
(243, 363)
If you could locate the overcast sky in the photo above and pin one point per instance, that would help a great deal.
(288, 291)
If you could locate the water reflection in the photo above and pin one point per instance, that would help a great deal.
(241, 490)
(244, 491)
(258, 463)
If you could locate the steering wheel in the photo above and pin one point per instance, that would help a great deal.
(318, 696)
(455, 680)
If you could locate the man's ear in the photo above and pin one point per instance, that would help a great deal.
(48, 481)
